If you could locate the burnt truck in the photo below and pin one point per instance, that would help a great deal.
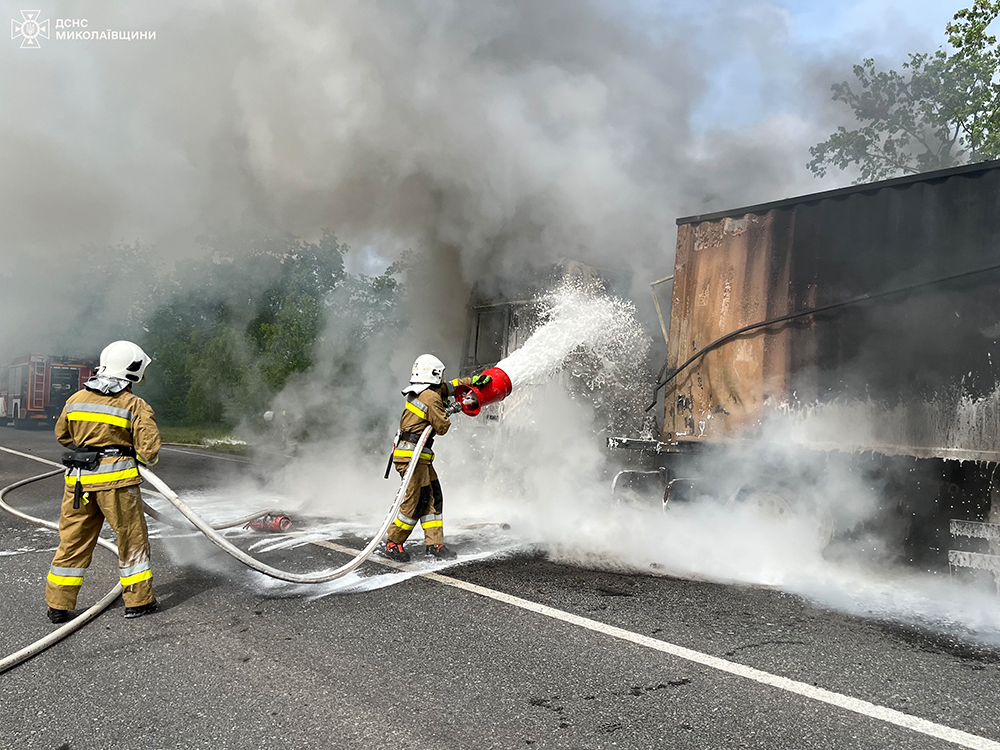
(866, 322)
(34, 388)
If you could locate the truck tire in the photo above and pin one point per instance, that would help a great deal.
(771, 503)
(767, 502)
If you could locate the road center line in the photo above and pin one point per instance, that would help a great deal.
(33, 458)
(203, 454)
(207, 453)
(846, 702)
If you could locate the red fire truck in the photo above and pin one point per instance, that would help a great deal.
(34, 388)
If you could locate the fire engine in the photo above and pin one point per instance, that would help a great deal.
(34, 388)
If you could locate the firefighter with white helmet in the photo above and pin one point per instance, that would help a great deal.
(108, 430)
(425, 405)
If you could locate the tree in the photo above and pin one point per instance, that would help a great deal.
(234, 326)
(232, 329)
(942, 111)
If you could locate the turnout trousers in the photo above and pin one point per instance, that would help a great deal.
(78, 532)
(423, 503)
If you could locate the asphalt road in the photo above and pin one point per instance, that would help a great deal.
(426, 664)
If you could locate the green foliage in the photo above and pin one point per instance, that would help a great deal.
(943, 110)
(233, 328)
(286, 343)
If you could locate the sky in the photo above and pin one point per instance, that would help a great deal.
(755, 79)
(879, 24)
(759, 72)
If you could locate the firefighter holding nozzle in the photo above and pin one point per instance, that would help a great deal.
(108, 430)
(426, 398)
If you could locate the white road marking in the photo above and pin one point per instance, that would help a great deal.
(203, 454)
(33, 458)
(208, 454)
(846, 702)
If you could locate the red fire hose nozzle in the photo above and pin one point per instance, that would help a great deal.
(475, 397)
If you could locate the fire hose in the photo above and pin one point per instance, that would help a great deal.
(207, 529)
(282, 575)
(80, 620)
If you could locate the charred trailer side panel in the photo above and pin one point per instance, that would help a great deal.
(913, 374)
(909, 375)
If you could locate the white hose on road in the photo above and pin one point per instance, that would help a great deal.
(80, 620)
(282, 575)
(207, 529)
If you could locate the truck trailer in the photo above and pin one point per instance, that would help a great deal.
(34, 388)
(867, 317)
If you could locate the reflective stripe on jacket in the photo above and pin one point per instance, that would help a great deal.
(404, 451)
(116, 469)
(416, 412)
(102, 413)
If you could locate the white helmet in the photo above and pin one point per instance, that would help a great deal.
(427, 369)
(123, 360)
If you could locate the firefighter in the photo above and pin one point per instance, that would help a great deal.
(108, 429)
(426, 397)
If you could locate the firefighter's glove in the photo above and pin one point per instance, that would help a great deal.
(482, 380)
(453, 407)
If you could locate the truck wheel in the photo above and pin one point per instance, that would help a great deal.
(769, 503)
(766, 502)
(679, 490)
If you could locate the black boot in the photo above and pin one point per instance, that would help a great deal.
(440, 552)
(142, 609)
(396, 552)
(59, 616)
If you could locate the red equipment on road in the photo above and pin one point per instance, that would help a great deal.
(475, 397)
(270, 522)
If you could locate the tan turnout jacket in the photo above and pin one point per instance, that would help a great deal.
(427, 408)
(94, 420)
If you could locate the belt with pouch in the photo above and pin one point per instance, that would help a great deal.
(88, 459)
